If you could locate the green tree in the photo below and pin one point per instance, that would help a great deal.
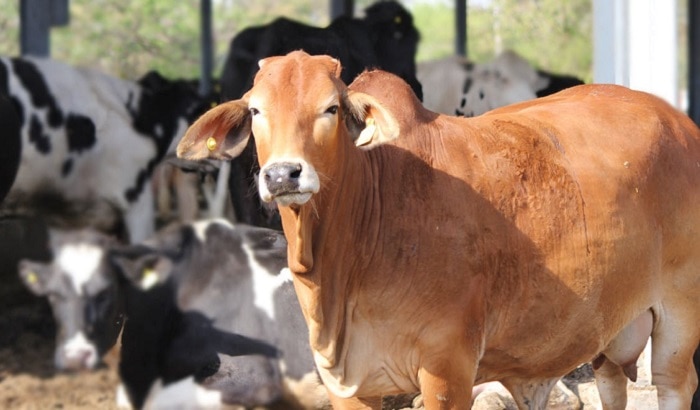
(129, 37)
(551, 34)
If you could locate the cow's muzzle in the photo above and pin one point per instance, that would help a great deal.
(288, 182)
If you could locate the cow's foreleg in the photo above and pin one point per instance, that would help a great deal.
(447, 385)
(355, 403)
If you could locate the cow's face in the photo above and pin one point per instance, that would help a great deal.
(83, 298)
(304, 122)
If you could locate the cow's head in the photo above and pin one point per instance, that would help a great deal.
(166, 107)
(395, 39)
(83, 296)
(304, 120)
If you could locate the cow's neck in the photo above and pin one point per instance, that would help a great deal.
(319, 235)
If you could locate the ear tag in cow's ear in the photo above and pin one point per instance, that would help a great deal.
(397, 20)
(149, 278)
(32, 278)
(367, 133)
(211, 143)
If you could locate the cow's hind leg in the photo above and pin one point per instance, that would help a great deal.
(611, 382)
(618, 361)
(530, 394)
(674, 340)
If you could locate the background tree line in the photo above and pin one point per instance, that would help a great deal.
(127, 38)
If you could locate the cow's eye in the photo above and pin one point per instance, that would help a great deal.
(254, 111)
(333, 109)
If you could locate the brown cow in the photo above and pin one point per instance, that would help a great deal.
(513, 246)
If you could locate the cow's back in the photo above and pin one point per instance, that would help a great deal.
(585, 199)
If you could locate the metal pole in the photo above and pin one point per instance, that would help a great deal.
(694, 60)
(206, 39)
(342, 8)
(35, 20)
(461, 27)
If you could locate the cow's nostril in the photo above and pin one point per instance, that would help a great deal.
(282, 177)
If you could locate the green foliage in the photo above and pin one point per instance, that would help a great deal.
(9, 27)
(129, 37)
(552, 34)
(436, 23)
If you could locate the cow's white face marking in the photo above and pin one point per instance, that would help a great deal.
(77, 352)
(80, 261)
(265, 283)
(308, 181)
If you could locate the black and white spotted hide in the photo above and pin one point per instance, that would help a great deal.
(90, 142)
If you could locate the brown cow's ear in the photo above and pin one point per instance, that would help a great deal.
(221, 133)
(369, 122)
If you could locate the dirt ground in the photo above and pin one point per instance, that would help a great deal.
(27, 376)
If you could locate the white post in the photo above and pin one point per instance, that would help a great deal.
(653, 48)
(635, 44)
(610, 46)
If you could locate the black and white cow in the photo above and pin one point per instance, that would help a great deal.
(457, 86)
(195, 290)
(384, 38)
(90, 142)
(193, 298)
(83, 294)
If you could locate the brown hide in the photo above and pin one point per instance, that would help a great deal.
(513, 246)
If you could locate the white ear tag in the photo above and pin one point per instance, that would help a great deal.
(149, 278)
(366, 135)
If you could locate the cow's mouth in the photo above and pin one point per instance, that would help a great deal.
(292, 198)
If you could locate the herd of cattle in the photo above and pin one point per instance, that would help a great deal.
(383, 244)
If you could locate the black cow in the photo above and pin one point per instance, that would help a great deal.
(90, 142)
(385, 38)
(194, 293)
(11, 143)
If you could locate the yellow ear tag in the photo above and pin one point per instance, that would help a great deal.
(366, 134)
(32, 278)
(211, 143)
(397, 19)
(149, 278)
